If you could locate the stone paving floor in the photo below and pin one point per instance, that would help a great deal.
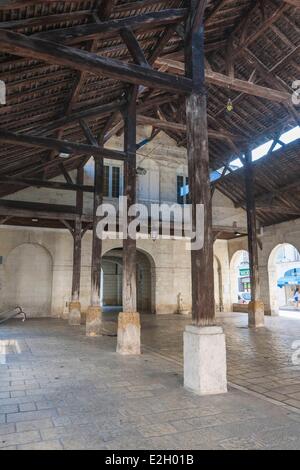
(62, 390)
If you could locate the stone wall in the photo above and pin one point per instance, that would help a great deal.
(169, 261)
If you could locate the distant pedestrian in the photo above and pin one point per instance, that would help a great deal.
(297, 297)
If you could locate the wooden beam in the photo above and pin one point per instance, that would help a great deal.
(133, 47)
(65, 173)
(271, 208)
(231, 83)
(179, 127)
(91, 139)
(56, 185)
(14, 4)
(46, 19)
(19, 44)
(264, 199)
(105, 9)
(61, 146)
(103, 110)
(86, 32)
(39, 210)
(294, 3)
(198, 15)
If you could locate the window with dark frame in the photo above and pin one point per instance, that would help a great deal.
(112, 181)
(182, 181)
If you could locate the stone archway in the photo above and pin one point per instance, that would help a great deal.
(112, 264)
(28, 275)
(239, 257)
(280, 261)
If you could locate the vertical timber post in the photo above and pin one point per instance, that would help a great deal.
(94, 313)
(204, 342)
(74, 306)
(129, 329)
(256, 306)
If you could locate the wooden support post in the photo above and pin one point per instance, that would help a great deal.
(203, 309)
(75, 307)
(129, 245)
(129, 320)
(93, 316)
(256, 306)
(204, 343)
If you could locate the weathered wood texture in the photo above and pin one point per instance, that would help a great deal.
(97, 242)
(203, 303)
(40, 49)
(252, 228)
(77, 236)
(129, 244)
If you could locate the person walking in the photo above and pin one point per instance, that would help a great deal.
(297, 297)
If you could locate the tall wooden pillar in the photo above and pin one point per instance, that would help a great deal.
(203, 299)
(74, 306)
(204, 343)
(256, 306)
(129, 245)
(129, 319)
(93, 317)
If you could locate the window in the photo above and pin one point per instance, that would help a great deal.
(112, 185)
(115, 184)
(183, 196)
(106, 181)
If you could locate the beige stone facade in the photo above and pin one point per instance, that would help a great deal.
(36, 267)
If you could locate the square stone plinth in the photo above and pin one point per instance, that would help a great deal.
(205, 369)
(256, 314)
(129, 333)
(93, 320)
(74, 313)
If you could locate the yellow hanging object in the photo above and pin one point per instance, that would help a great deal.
(229, 106)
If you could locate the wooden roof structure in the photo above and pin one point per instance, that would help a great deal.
(67, 64)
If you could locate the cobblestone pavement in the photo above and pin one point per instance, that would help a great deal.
(62, 390)
(260, 360)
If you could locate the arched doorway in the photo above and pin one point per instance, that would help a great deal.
(28, 274)
(240, 280)
(284, 277)
(112, 271)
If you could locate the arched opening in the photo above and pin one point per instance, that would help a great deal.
(284, 279)
(218, 281)
(112, 279)
(28, 274)
(240, 280)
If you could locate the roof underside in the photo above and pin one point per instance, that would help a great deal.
(267, 33)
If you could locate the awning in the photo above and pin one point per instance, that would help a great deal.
(288, 281)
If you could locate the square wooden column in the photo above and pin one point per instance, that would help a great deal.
(93, 316)
(75, 306)
(129, 329)
(256, 306)
(204, 342)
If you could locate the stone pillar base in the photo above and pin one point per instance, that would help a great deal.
(93, 320)
(205, 368)
(183, 312)
(74, 313)
(129, 333)
(256, 314)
